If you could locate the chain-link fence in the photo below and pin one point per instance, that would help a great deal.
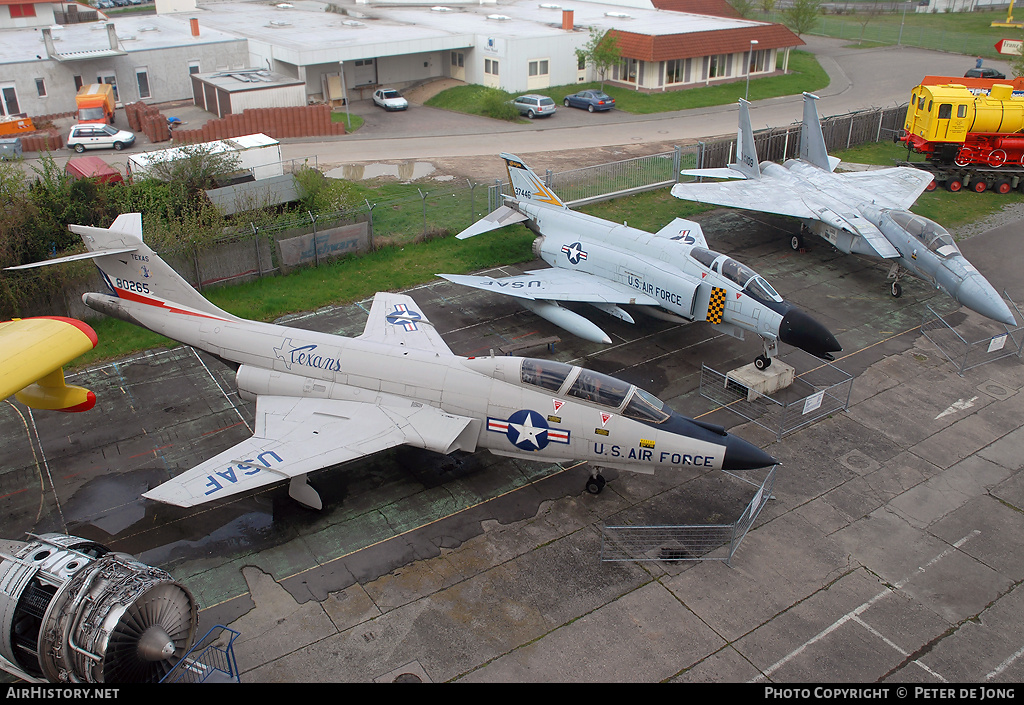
(439, 209)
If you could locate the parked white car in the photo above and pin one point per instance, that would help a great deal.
(97, 135)
(390, 99)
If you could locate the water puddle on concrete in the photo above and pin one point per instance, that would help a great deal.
(404, 171)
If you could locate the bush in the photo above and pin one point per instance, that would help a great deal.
(496, 104)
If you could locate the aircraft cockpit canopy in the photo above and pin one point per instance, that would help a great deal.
(704, 256)
(932, 235)
(753, 283)
(595, 387)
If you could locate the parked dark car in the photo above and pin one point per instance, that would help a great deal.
(590, 100)
(985, 72)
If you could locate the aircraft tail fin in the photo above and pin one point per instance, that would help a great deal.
(526, 185)
(812, 141)
(130, 269)
(746, 150)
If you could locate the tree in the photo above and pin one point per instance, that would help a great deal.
(802, 15)
(601, 52)
(744, 7)
(766, 6)
(1017, 63)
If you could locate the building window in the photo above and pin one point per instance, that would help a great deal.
(539, 67)
(759, 60)
(491, 66)
(78, 83)
(142, 76)
(193, 67)
(26, 10)
(628, 70)
(675, 71)
(8, 100)
(458, 59)
(40, 88)
(719, 65)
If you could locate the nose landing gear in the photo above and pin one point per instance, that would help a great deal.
(596, 483)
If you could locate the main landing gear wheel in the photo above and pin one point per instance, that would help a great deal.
(762, 362)
(797, 242)
(897, 290)
(595, 484)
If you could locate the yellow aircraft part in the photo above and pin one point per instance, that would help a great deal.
(716, 306)
(33, 352)
(50, 393)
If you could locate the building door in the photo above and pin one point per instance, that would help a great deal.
(537, 75)
(364, 72)
(458, 68)
(111, 80)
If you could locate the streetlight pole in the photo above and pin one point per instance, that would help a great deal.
(750, 59)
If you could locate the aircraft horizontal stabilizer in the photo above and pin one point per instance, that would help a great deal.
(75, 258)
(715, 173)
(498, 218)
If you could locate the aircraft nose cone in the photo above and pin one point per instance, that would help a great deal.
(978, 295)
(744, 455)
(801, 331)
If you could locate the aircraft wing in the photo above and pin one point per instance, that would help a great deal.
(902, 185)
(764, 194)
(35, 350)
(396, 319)
(557, 284)
(297, 435)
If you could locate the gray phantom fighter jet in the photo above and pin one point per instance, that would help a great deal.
(670, 274)
(861, 213)
(324, 399)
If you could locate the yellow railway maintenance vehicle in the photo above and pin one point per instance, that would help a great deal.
(971, 135)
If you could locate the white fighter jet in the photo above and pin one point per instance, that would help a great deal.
(670, 275)
(864, 212)
(325, 399)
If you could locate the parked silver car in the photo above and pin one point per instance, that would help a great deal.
(532, 105)
(95, 135)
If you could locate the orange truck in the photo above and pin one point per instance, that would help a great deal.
(95, 103)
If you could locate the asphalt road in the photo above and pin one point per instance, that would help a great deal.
(860, 78)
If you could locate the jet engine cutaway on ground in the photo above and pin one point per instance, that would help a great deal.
(72, 611)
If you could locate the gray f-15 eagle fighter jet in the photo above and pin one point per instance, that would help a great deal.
(864, 212)
(325, 399)
(670, 274)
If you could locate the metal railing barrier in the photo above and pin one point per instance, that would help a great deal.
(967, 354)
(693, 542)
(215, 663)
(821, 390)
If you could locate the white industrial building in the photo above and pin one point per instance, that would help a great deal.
(345, 49)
